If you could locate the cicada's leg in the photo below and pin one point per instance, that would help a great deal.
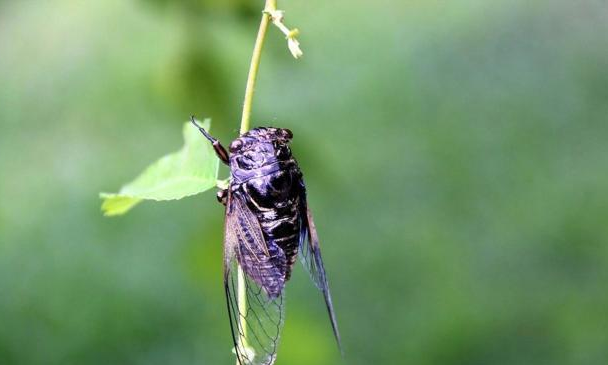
(220, 151)
(222, 196)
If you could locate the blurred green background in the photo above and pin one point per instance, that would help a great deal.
(455, 154)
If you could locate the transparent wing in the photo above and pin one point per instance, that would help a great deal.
(310, 255)
(256, 307)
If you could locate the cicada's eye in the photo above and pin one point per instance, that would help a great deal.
(286, 133)
(235, 145)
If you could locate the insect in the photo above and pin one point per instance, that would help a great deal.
(267, 225)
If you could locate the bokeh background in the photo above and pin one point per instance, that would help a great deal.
(455, 154)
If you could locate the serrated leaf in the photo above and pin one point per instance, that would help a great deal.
(189, 171)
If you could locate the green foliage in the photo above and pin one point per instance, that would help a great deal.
(190, 171)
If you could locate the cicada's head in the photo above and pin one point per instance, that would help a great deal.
(259, 147)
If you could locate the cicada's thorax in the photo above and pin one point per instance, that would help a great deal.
(266, 175)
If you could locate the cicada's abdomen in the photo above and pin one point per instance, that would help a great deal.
(275, 200)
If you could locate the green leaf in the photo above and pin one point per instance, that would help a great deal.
(189, 171)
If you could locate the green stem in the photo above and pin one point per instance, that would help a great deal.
(242, 304)
(271, 5)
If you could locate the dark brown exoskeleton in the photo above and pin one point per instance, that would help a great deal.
(268, 223)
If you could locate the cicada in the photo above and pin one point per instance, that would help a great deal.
(268, 224)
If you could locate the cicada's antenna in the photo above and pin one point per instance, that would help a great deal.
(217, 146)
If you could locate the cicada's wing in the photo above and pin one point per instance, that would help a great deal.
(255, 307)
(310, 255)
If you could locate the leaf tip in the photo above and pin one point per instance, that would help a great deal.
(115, 204)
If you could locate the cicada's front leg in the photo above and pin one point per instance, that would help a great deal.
(220, 151)
(222, 196)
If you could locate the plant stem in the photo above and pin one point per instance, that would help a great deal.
(270, 5)
(242, 305)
